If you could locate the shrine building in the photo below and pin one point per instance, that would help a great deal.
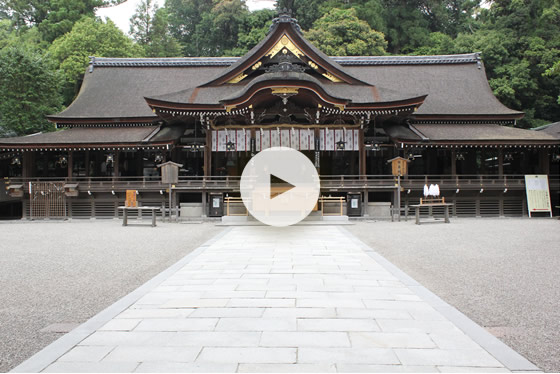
(349, 115)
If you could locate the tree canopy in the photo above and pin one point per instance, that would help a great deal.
(519, 41)
(89, 37)
(149, 27)
(30, 90)
(341, 33)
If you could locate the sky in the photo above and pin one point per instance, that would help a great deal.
(121, 14)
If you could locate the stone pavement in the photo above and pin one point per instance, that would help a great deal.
(303, 298)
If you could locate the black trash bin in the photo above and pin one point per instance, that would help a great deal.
(354, 204)
(216, 206)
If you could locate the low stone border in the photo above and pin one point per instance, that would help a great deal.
(40, 360)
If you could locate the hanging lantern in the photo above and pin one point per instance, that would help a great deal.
(340, 145)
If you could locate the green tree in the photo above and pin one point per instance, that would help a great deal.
(341, 33)
(219, 29)
(141, 21)
(184, 17)
(89, 37)
(29, 90)
(254, 30)
(520, 41)
(9, 36)
(53, 18)
(162, 43)
(308, 11)
(149, 26)
(437, 43)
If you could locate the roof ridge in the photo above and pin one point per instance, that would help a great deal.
(227, 61)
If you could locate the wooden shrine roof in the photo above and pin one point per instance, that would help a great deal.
(91, 137)
(473, 133)
(551, 129)
(114, 91)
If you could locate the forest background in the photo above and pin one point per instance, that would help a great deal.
(45, 45)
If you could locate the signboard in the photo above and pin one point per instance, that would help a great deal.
(399, 166)
(538, 195)
(130, 198)
(215, 202)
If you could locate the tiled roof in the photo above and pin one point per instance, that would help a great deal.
(342, 60)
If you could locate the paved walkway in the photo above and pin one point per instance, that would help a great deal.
(305, 298)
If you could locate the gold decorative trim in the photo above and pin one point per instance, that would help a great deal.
(229, 108)
(257, 65)
(340, 107)
(238, 79)
(284, 43)
(313, 65)
(331, 77)
(284, 90)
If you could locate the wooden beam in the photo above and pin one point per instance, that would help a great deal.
(87, 164)
(500, 162)
(453, 162)
(208, 154)
(317, 150)
(362, 153)
(27, 164)
(70, 162)
(544, 161)
(116, 164)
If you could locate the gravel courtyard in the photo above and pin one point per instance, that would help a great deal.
(502, 273)
(66, 272)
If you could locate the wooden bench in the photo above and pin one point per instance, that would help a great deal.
(139, 209)
(432, 205)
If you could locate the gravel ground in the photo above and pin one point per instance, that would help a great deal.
(66, 272)
(502, 273)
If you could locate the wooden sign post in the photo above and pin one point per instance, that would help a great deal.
(170, 175)
(399, 166)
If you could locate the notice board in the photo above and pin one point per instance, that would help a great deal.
(538, 194)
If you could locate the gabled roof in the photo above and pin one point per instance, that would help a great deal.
(284, 36)
(487, 133)
(551, 129)
(284, 60)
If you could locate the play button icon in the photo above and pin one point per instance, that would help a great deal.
(280, 186)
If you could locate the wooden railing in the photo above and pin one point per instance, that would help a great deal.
(329, 183)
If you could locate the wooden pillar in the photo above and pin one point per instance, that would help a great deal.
(208, 154)
(362, 153)
(544, 164)
(500, 162)
(87, 164)
(27, 164)
(116, 164)
(138, 158)
(70, 162)
(253, 142)
(204, 205)
(453, 162)
(317, 149)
